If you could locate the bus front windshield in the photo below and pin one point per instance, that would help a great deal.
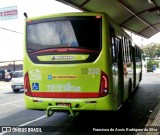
(78, 32)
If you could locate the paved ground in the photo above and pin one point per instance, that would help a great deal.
(157, 70)
(153, 123)
(4, 85)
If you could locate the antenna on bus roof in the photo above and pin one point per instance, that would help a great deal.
(25, 14)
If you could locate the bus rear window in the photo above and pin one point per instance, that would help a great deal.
(74, 32)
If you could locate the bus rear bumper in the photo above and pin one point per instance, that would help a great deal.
(80, 104)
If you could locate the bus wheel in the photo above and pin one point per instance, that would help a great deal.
(15, 90)
(129, 88)
(140, 76)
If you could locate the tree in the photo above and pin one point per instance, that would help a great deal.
(152, 51)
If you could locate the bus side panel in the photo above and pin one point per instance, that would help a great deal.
(107, 102)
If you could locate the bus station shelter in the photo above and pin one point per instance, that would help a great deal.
(141, 17)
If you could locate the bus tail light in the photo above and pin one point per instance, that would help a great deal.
(27, 87)
(104, 85)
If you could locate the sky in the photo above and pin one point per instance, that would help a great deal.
(144, 41)
(11, 43)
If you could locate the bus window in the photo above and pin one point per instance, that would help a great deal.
(126, 50)
(131, 51)
(114, 46)
(64, 33)
(114, 50)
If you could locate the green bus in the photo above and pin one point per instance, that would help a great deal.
(78, 62)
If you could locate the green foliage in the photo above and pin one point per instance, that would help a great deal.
(152, 51)
(151, 63)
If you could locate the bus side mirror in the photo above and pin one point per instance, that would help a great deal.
(25, 14)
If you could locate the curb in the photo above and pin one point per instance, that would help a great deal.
(153, 121)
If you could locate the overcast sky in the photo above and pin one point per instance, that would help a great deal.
(11, 44)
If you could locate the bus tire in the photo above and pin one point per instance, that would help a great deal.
(140, 76)
(129, 88)
(15, 90)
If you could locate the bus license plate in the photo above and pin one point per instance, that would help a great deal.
(64, 104)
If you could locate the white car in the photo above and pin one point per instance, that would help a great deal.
(17, 81)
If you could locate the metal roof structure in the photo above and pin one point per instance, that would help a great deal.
(141, 17)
